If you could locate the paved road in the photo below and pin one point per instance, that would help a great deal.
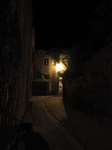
(64, 128)
(57, 137)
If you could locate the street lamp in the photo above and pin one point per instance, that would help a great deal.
(59, 67)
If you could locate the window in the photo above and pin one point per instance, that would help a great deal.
(46, 61)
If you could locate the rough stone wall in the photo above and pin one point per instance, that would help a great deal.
(91, 91)
(15, 61)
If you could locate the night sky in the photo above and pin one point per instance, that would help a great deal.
(61, 25)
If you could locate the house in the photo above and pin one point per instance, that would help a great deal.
(48, 67)
(45, 76)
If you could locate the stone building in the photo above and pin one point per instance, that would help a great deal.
(45, 76)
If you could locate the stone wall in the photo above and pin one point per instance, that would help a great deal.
(91, 90)
(15, 63)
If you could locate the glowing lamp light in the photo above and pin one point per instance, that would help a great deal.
(59, 67)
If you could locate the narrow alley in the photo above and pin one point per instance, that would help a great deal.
(47, 51)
